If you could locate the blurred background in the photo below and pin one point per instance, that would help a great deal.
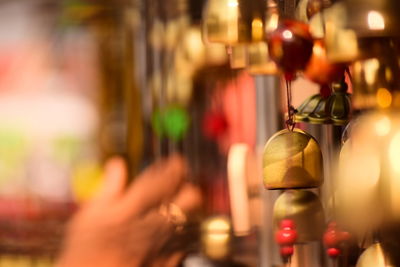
(82, 80)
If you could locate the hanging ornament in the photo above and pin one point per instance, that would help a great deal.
(333, 240)
(237, 56)
(233, 21)
(313, 109)
(292, 159)
(339, 104)
(286, 237)
(374, 256)
(290, 46)
(259, 61)
(305, 209)
(172, 122)
(319, 69)
(215, 125)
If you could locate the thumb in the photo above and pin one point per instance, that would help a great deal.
(114, 179)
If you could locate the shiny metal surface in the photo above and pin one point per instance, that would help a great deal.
(305, 209)
(258, 60)
(374, 256)
(292, 159)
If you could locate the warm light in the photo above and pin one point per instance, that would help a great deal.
(383, 98)
(287, 34)
(317, 50)
(257, 29)
(370, 69)
(272, 23)
(382, 126)
(394, 153)
(233, 3)
(376, 21)
(237, 182)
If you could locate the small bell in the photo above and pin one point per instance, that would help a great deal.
(234, 21)
(339, 104)
(292, 159)
(313, 108)
(237, 56)
(259, 61)
(374, 256)
(305, 210)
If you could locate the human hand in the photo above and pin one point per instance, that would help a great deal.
(123, 227)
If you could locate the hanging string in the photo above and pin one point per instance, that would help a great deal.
(290, 123)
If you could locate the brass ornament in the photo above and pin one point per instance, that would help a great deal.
(374, 256)
(292, 159)
(259, 61)
(305, 209)
(234, 21)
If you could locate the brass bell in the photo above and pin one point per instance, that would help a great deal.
(376, 81)
(339, 104)
(258, 60)
(305, 209)
(237, 56)
(292, 159)
(374, 256)
(234, 21)
(373, 18)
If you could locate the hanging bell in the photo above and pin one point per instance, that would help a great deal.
(374, 18)
(374, 256)
(292, 159)
(237, 56)
(305, 209)
(376, 81)
(234, 21)
(339, 104)
(258, 60)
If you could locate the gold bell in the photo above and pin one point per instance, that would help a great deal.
(292, 159)
(374, 256)
(258, 60)
(305, 209)
(234, 21)
(237, 56)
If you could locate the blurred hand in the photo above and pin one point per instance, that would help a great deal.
(123, 226)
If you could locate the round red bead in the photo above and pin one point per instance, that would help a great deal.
(287, 251)
(333, 252)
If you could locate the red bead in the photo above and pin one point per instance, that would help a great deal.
(287, 223)
(286, 237)
(290, 45)
(331, 238)
(214, 125)
(287, 251)
(333, 252)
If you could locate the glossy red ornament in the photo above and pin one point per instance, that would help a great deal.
(319, 69)
(333, 252)
(286, 251)
(290, 46)
(332, 237)
(287, 235)
(214, 125)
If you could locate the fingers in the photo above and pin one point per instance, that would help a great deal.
(115, 176)
(155, 185)
(189, 198)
